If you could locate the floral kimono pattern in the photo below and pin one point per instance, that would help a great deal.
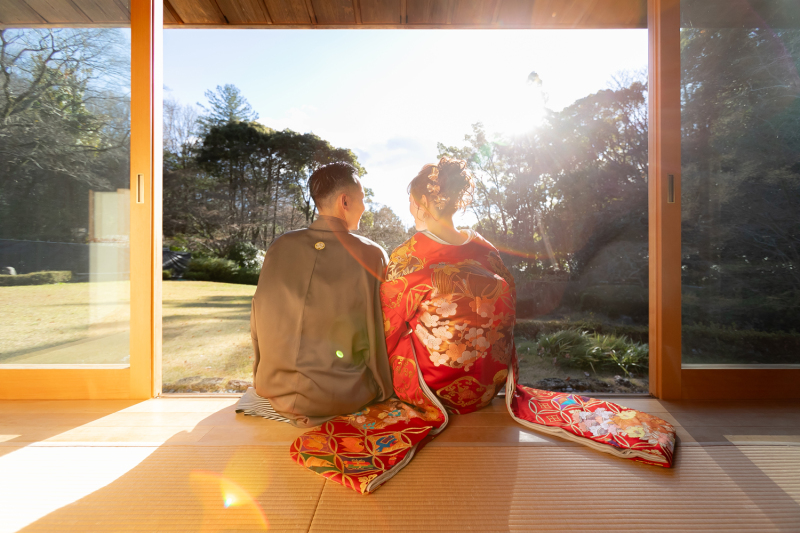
(449, 314)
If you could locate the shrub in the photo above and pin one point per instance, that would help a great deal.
(581, 349)
(210, 269)
(36, 278)
(244, 254)
(220, 271)
(531, 329)
(166, 274)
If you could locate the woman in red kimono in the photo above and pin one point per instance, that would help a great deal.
(449, 312)
(448, 296)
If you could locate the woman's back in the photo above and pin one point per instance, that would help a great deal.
(457, 302)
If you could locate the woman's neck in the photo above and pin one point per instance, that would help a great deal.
(445, 230)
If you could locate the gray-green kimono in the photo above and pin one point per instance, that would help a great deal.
(317, 325)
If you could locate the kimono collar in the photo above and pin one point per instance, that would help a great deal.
(326, 223)
(434, 238)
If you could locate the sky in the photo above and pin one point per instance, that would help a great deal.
(391, 95)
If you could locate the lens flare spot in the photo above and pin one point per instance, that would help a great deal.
(213, 489)
(339, 354)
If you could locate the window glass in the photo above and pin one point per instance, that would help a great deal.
(64, 195)
(740, 157)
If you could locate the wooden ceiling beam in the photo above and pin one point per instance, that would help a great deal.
(59, 11)
(334, 11)
(454, 14)
(104, 11)
(244, 11)
(199, 12)
(311, 14)
(170, 13)
(379, 11)
(496, 14)
(288, 12)
(13, 12)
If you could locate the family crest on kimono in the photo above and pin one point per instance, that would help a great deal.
(449, 314)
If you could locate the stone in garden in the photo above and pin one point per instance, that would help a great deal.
(186, 381)
(238, 385)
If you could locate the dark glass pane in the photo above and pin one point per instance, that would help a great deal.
(741, 182)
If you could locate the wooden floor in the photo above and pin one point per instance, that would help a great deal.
(192, 464)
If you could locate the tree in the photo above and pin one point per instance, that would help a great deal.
(740, 176)
(382, 225)
(244, 183)
(225, 104)
(180, 130)
(64, 128)
(553, 197)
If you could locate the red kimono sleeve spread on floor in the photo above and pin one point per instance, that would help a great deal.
(449, 314)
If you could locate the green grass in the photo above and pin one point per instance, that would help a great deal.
(206, 331)
(36, 318)
(206, 326)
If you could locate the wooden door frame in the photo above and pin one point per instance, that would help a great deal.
(141, 378)
(147, 88)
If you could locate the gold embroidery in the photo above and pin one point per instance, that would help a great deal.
(463, 391)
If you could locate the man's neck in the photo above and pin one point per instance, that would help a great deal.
(336, 220)
(332, 215)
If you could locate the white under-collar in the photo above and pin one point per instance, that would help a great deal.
(470, 235)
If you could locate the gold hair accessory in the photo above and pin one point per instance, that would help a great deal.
(439, 201)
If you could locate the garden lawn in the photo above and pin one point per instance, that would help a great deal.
(206, 327)
(206, 335)
(40, 320)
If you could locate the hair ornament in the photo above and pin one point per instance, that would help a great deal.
(440, 201)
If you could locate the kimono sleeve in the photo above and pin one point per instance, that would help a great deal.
(398, 310)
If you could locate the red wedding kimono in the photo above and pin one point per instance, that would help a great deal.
(449, 314)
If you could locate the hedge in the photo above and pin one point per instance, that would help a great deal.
(220, 271)
(36, 278)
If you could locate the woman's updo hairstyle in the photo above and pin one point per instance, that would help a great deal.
(448, 186)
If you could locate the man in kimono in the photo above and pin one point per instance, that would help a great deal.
(316, 319)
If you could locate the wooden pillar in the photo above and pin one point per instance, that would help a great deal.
(664, 199)
(146, 156)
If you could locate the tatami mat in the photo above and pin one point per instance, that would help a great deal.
(192, 464)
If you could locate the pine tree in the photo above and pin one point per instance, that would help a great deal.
(225, 105)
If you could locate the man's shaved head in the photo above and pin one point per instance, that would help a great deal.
(329, 181)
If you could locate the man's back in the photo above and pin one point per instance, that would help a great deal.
(317, 325)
